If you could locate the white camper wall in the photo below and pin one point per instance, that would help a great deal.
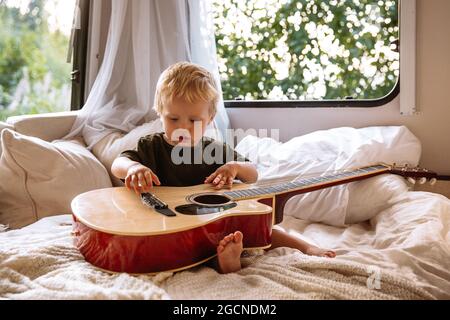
(432, 126)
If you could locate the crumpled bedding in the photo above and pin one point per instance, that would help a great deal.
(326, 152)
(390, 243)
(402, 253)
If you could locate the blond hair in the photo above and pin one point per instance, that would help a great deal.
(187, 81)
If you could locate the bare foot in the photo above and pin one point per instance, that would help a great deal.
(229, 252)
(319, 252)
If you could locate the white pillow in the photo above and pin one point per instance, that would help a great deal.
(109, 148)
(327, 151)
(40, 178)
(369, 197)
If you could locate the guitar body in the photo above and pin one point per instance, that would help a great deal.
(180, 227)
(115, 231)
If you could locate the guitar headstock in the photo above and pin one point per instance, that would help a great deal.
(414, 173)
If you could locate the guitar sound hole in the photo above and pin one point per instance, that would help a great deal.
(210, 199)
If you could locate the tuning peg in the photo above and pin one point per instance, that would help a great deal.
(411, 180)
(422, 180)
(432, 181)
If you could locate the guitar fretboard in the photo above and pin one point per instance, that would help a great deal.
(305, 183)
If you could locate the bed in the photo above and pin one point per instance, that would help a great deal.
(391, 242)
(402, 253)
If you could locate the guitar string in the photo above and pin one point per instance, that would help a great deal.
(295, 183)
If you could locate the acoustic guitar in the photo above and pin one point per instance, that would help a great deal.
(174, 228)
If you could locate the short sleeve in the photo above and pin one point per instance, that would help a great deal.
(232, 155)
(139, 154)
(131, 154)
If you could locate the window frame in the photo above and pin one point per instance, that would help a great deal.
(336, 103)
(80, 46)
(343, 103)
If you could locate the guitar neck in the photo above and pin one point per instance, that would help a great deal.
(305, 185)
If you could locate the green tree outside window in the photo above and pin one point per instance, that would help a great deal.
(34, 75)
(306, 49)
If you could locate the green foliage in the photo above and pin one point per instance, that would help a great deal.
(306, 49)
(34, 76)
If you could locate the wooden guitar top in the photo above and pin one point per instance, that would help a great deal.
(120, 211)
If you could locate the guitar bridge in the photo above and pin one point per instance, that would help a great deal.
(157, 204)
(153, 201)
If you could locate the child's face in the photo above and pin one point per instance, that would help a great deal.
(184, 122)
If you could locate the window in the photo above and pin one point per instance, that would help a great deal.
(34, 43)
(307, 52)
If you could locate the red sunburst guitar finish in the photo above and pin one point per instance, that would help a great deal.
(175, 228)
(168, 252)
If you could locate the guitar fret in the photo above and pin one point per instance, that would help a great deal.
(304, 182)
(257, 191)
(245, 193)
(250, 193)
(278, 188)
(347, 174)
(288, 186)
(239, 194)
(291, 185)
(231, 194)
(301, 183)
(261, 191)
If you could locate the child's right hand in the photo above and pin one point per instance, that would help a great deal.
(141, 177)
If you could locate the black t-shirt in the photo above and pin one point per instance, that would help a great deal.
(181, 166)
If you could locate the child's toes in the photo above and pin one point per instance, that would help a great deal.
(223, 243)
(238, 236)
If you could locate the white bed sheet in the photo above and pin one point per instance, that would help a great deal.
(406, 247)
(325, 152)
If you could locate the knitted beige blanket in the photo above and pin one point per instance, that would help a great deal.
(48, 266)
(53, 269)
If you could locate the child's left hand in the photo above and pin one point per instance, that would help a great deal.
(223, 176)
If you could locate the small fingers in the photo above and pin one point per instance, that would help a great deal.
(210, 177)
(230, 182)
(155, 178)
(135, 184)
(148, 179)
(128, 182)
(141, 179)
(220, 184)
(217, 179)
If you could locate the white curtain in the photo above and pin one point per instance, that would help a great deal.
(144, 38)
